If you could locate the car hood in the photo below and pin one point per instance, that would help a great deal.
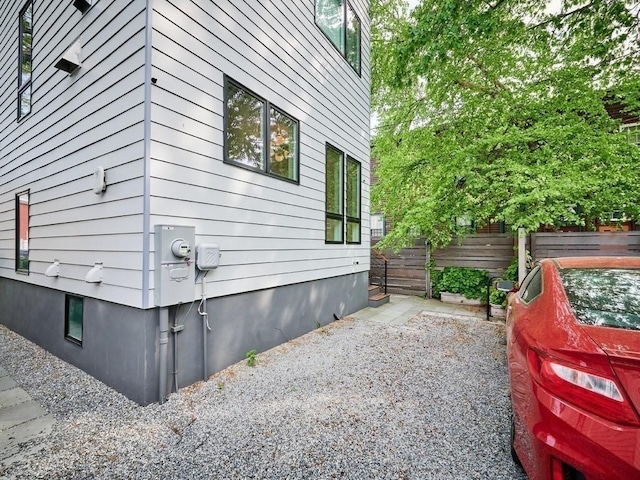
(622, 346)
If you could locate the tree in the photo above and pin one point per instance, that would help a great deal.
(496, 110)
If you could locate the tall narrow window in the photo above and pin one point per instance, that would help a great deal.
(353, 200)
(338, 21)
(22, 232)
(25, 60)
(74, 318)
(330, 19)
(283, 141)
(353, 39)
(254, 127)
(245, 113)
(334, 196)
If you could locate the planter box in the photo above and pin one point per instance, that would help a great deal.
(498, 312)
(459, 299)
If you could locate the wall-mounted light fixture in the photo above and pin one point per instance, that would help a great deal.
(71, 58)
(99, 181)
(82, 5)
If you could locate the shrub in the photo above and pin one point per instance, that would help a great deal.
(470, 282)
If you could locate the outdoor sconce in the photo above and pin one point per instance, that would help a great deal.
(71, 59)
(82, 5)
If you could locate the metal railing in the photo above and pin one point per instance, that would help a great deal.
(379, 269)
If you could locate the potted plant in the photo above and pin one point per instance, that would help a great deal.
(466, 286)
(498, 302)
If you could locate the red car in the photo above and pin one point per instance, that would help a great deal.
(573, 345)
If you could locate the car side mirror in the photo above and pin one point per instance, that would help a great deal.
(506, 286)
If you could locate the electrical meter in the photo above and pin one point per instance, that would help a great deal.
(174, 273)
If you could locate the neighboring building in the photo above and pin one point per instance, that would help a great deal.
(125, 125)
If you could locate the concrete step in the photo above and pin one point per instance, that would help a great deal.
(378, 299)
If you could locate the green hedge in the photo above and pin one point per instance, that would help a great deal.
(470, 282)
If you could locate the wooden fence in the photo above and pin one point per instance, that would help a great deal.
(485, 251)
(580, 244)
(406, 272)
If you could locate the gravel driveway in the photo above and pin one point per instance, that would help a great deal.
(355, 399)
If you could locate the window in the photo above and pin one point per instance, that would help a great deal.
(353, 200)
(254, 127)
(378, 225)
(338, 21)
(531, 285)
(633, 132)
(74, 318)
(22, 232)
(25, 60)
(334, 195)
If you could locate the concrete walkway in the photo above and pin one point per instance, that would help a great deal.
(402, 308)
(24, 423)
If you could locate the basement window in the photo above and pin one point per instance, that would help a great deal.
(74, 318)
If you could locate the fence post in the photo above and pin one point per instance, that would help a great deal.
(428, 271)
(522, 255)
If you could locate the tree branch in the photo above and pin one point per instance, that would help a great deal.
(561, 16)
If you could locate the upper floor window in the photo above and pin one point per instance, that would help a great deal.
(259, 135)
(25, 59)
(378, 226)
(338, 21)
(632, 131)
(22, 232)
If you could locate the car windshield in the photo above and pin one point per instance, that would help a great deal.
(608, 297)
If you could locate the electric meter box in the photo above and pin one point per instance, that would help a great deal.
(174, 264)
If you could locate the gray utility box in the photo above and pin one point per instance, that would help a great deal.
(174, 264)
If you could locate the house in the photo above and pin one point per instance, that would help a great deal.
(181, 182)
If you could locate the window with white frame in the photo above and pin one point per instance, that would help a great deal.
(377, 225)
(339, 22)
(632, 131)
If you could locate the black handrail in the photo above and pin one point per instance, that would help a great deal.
(379, 270)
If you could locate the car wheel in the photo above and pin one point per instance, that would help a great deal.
(512, 438)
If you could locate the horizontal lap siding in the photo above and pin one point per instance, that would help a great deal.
(270, 232)
(91, 118)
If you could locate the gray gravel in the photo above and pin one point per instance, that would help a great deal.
(356, 399)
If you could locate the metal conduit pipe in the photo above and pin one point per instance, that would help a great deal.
(202, 310)
(163, 323)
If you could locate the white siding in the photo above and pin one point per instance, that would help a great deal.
(271, 232)
(91, 118)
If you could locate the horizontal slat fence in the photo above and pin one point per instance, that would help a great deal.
(581, 244)
(485, 251)
(406, 272)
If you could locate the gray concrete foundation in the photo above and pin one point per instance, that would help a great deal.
(120, 344)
